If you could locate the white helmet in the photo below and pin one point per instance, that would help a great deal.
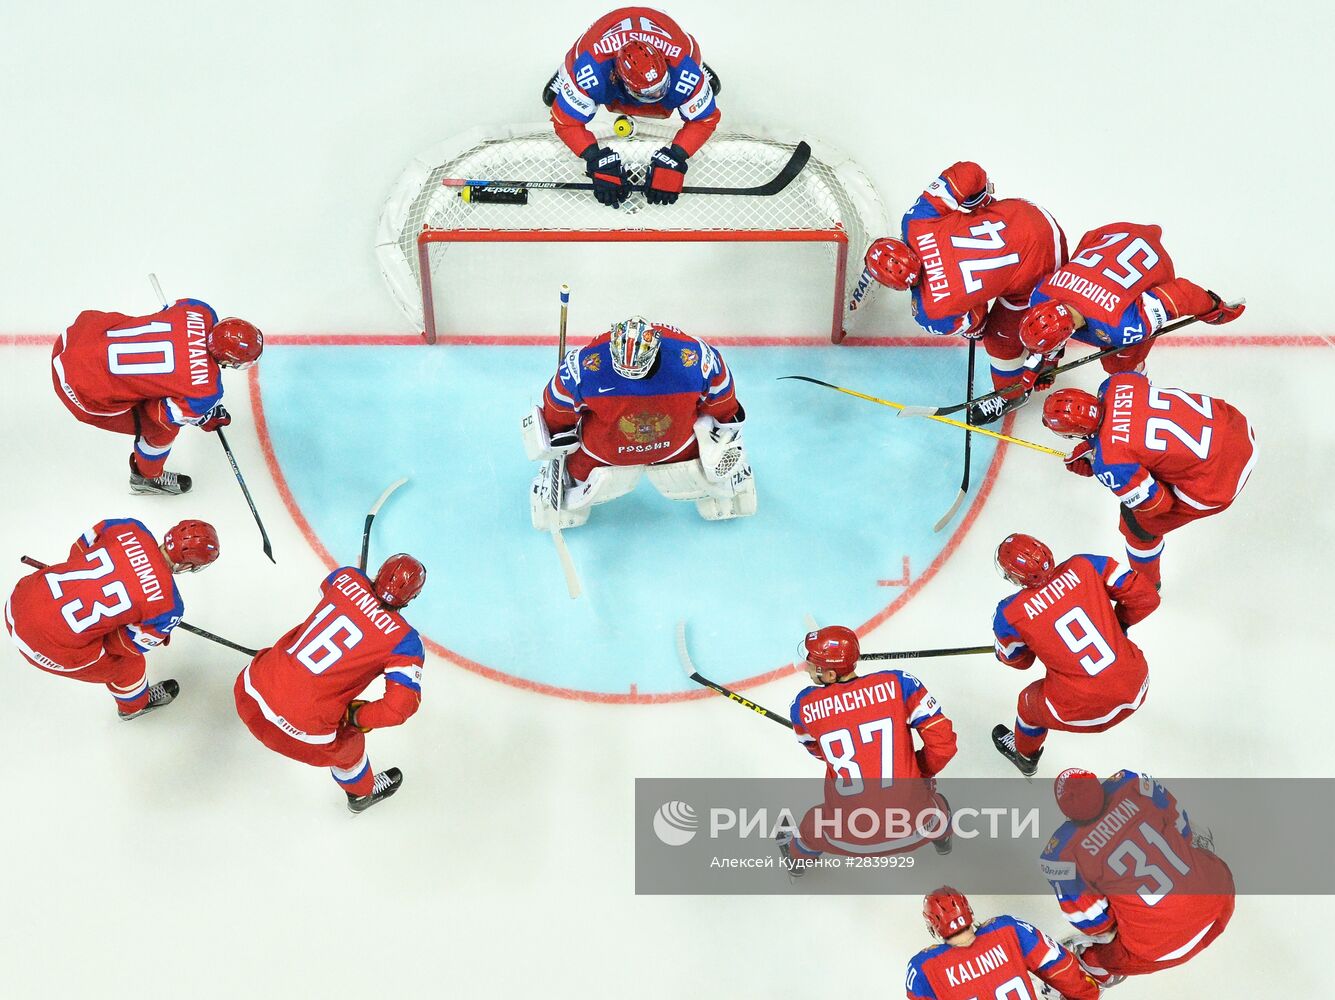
(634, 345)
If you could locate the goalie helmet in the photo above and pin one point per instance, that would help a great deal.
(1072, 413)
(1079, 794)
(893, 263)
(1046, 327)
(1024, 560)
(634, 344)
(400, 579)
(190, 546)
(234, 343)
(947, 912)
(643, 71)
(833, 647)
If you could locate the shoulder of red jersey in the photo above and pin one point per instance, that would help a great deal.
(1031, 938)
(161, 595)
(404, 664)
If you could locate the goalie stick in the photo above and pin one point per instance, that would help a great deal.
(370, 518)
(559, 480)
(684, 655)
(30, 561)
(516, 192)
(968, 440)
(941, 411)
(945, 420)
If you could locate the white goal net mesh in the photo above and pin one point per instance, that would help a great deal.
(830, 193)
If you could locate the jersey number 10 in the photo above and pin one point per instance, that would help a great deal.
(149, 357)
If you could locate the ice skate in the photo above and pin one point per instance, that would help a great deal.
(1004, 740)
(167, 484)
(386, 783)
(160, 695)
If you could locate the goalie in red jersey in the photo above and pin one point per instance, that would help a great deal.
(642, 397)
(991, 959)
(1116, 290)
(1172, 457)
(634, 61)
(94, 616)
(1143, 890)
(149, 376)
(300, 697)
(861, 729)
(971, 263)
(1072, 617)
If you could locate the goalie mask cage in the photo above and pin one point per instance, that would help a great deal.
(426, 225)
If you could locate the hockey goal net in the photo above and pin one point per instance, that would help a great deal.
(785, 263)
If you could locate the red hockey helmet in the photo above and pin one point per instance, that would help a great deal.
(1072, 413)
(191, 546)
(947, 912)
(643, 71)
(1024, 560)
(1046, 327)
(893, 263)
(833, 647)
(400, 579)
(1079, 794)
(235, 343)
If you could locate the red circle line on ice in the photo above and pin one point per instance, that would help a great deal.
(631, 697)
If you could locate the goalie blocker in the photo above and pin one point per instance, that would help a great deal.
(641, 397)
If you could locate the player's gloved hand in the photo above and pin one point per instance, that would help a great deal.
(611, 185)
(350, 716)
(1222, 311)
(217, 417)
(1081, 460)
(667, 171)
(1038, 371)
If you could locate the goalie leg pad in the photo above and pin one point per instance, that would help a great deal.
(740, 504)
(680, 480)
(605, 482)
(546, 505)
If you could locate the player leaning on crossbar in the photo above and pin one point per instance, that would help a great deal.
(643, 396)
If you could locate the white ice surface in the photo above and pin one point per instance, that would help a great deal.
(242, 150)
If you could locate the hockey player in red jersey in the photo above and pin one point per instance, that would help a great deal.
(1170, 456)
(1071, 617)
(95, 615)
(643, 396)
(993, 959)
(1117, 289)
(861, 729)
(961, 250)
(300, 696)
(1145, 892)
(634, 61)
(149, 376)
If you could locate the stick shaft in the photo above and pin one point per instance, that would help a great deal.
(684, 657)
(922, 654)
(944, 420)
(370, 519)
(203, 634)
(568, 570)
(250, 502)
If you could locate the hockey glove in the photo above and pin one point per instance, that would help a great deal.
(611, 185)
(667, 171)
(1222, 311)
(350, 716)
(1038, 371)
(1081, 460)
(217, 417)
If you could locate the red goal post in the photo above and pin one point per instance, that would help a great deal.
(830, 205)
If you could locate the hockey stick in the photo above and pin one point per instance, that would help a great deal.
(264, 535)
(968, 440)
(370, 517)
(945, 420)
(922, 654)
(30, 561)
(685, 657)
(941, 411)
(559, 484)
(157, 289)
(516, 192)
